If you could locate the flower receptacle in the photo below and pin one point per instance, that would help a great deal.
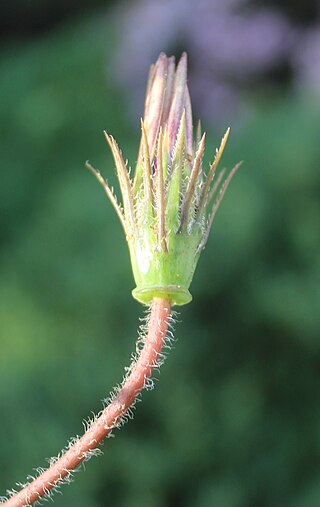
(165, 273)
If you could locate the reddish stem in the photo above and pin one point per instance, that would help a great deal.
(111, 415)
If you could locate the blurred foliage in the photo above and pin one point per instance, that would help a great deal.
(20, 19)
(235, 418)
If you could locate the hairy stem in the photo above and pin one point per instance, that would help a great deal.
(110, 416)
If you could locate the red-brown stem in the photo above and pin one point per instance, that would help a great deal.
(111, 415)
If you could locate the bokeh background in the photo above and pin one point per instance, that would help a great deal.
(235, 419)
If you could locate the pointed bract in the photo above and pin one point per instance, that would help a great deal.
(125, 185)
(189, 194)
(160, 198)
(147, 173)
(213, 167)
(109, 193)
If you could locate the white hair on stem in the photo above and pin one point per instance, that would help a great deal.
(73, 442)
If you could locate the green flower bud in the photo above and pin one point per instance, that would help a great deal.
(164, 210)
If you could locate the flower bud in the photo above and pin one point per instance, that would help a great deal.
(167, 209)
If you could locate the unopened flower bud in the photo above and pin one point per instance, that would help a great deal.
(167, 209)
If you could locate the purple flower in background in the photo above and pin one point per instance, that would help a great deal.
(231, 46)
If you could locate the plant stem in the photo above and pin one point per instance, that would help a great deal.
(110, 416)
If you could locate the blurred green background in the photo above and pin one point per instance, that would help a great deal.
(235, 419)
